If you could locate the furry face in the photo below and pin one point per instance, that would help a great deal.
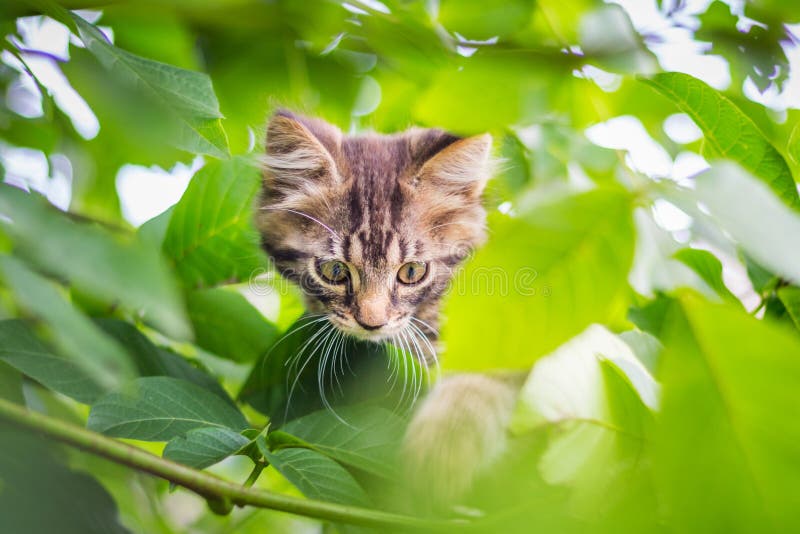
(371, 227)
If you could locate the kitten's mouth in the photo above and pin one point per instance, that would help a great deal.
(352, 328)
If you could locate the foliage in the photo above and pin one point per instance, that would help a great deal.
(662, 363)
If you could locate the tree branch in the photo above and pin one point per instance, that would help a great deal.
(205, 484)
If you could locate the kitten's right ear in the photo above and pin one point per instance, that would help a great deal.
(300, 148)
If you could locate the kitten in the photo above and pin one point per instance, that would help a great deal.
(372, 228)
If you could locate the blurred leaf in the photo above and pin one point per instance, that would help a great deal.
(369, 440)
(480, 20)
(186, 95)
(10, 382)
(733, 463)
(790, 297)
(543, 278)
(763, 225)
(110, 267)
(203, 447)
(100, 357)
(157, 361)
(793, 146)
(161, 408)
(42, 495)
(20, 348)
(593, 388)
(728, 132)
(228, 325)
(522, 97)
(608, 37)
(645, 346)
(709, 268)
(315, 475)
(154, 230)
(650, 315)
(210, 237)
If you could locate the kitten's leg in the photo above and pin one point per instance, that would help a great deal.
(458, 432)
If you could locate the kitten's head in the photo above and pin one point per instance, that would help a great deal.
(371, 226)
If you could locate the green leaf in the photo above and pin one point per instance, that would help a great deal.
(203, 447)
(21, 349)
(315, 475)
(369, 441)
(476, 19)
(186, 95)
(113, 268)
(709, 268)
(596, 393)
(10, 383)
(40, 494)
(161, 408)
(609, 39)
(728, 131)
(152, 360)
(228, 325)
(102, 358)
(726, 455)
(790, 297)
(793, 147)
(543, 278)
(210, 237)
(764, 227)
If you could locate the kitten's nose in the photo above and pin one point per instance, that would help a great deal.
(372, 312)
(366, 326)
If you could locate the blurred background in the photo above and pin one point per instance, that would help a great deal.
(557, 82)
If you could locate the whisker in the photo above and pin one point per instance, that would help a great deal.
(325, 328)
(426, 325)
(307, 216)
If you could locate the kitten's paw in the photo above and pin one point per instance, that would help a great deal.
(458, 432)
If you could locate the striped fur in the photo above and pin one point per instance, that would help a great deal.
(374, 202)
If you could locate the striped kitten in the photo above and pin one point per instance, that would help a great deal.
(371, 227)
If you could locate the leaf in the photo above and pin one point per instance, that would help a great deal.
(40, 494)
(203, 447)
(109, 267)
(10, 383)
(315, 475)
(21, 349)
(709, 268)
(152, 360)
(476, 19)
(764, 227)
(228, 325)
(726, 455)
(186, 95)
(728, 131)
(100, 357)
(790, 297)
(597, 393)
(793, 147)
(369, 440)
(161, 408)
(543, 278)
(210, 237)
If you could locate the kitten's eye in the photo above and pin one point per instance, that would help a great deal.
(412, 272)
(333, 271)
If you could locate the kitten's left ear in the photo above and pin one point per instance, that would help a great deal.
(463, 166)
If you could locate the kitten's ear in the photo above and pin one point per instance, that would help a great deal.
(462, 166)
(300, 148)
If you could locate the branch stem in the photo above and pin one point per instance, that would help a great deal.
(202, 483)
